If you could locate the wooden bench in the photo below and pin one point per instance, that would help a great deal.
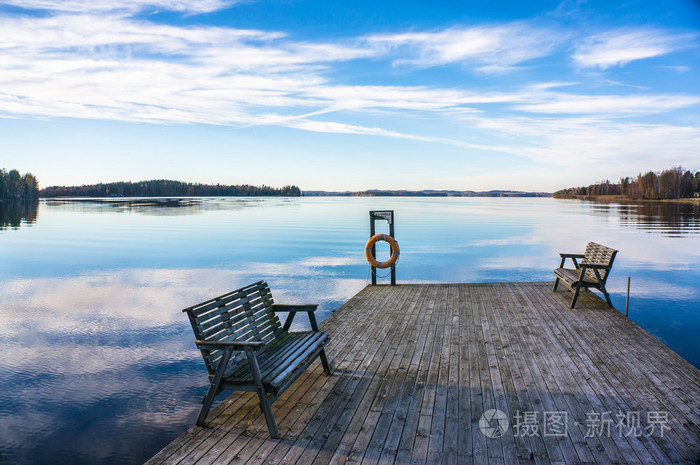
(246, 348)
(592, 272)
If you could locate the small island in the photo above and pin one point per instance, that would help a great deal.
(167, 188)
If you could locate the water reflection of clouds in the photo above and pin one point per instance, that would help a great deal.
(657, 289)
(148, 297)
(92, 346)
(636, 252)
(92, 343)
(531, 262)
(512, 240)
(349, 259)
(635, 248)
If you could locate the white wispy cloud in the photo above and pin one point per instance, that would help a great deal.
(90, 61)
(586, 142)
(105, 66)
(113, 67)
(342, 128)
(617, 48)
(564, 104)
(492, 48)
(187, 6)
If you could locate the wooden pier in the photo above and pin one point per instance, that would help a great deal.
(416, 367)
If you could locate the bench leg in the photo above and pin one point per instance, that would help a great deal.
(214, 387)
(601, 286)
(573, 300)
(324, 361)
(322, 354)
(607, 297)
(556, 283)
(262, 395)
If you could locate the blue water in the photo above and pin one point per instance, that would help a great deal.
(97, 362)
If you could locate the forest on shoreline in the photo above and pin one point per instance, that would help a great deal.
(14, 185)
(674, 183)
(166, 188)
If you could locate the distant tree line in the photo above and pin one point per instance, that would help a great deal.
(14, 185)
(425, 193)
(674, 183)
(166, 188)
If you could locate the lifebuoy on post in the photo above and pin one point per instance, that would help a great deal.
(394, 251)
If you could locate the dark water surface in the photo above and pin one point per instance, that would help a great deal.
(98, 364)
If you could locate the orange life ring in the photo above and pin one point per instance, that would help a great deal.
(394, 251)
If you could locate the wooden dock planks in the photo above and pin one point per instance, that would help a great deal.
(417, 365)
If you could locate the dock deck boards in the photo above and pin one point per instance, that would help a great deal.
(416, 366)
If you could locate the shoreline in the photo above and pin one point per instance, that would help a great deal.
(625, 199)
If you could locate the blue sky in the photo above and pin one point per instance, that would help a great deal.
(349, 95)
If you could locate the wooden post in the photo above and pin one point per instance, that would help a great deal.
(391, 233)
(627, 301)
(374, 248)
(388, 216)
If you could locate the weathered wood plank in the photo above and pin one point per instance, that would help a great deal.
(619, 397)
(358, 378)
(410, 432)
(589, 449)
(417, 366)
(353, 427)
(335, 423)
(370, 440)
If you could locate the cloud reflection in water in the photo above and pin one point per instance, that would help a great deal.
(93, 345)
(114, 347)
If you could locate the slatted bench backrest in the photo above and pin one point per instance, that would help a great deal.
(597, 254)
(244, 314)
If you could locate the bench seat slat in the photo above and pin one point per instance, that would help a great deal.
(273, 356)
(233, 310)
(204, 307)
(571, 276)
(230, 318)
(278, 360)
(237, 328)
(248, 320)
(275, 375)
(266, 338)
(267, 356)
(300, 355)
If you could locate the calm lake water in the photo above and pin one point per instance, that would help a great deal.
(98, 364)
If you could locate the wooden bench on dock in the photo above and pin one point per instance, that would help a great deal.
(246, 348)
(592, 272)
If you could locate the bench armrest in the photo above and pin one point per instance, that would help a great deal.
(294, 307)
(598, 266)
(572, 256)
(236, 345)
